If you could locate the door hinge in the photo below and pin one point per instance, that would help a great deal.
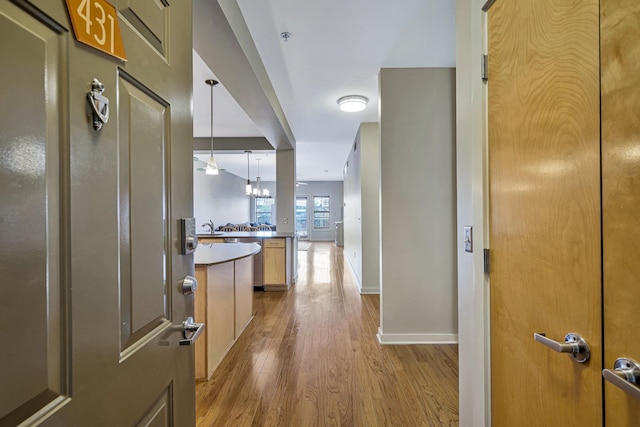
(486, 262)
(484, 67)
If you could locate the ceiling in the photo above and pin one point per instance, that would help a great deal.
(336, 48)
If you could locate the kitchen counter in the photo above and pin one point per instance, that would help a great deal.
(217, 253)
(258, 234)
(275, 268)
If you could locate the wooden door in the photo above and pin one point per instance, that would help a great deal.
(90, 306)
(545, 223)
(620, 62)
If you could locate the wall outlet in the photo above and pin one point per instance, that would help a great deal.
(468, 238)
(285, 220)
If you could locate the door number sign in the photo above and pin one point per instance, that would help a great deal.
(95, 23)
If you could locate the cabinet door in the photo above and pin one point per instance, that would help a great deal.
(243, 293)
(274, 262)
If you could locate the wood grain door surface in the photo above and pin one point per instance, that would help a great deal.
(620, 62)
(90, 307)
(545, 219)
(544, 173)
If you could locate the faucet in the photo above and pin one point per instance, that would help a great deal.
(210, 225)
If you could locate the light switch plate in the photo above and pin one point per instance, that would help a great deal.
(468, 238)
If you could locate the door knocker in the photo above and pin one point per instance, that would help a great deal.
(99, 104)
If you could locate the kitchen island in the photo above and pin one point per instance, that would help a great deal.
(275, 268)
(223, 300)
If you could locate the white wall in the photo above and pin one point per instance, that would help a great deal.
(220, 198)
(473, 294)
(362, 209)
(418, 206)
(334, 190)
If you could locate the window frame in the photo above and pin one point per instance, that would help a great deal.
(258, 212)
(323, 211)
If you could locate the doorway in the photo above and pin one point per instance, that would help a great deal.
(302, 217)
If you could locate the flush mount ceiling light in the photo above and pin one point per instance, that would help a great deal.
(212, 166)
(353, 103)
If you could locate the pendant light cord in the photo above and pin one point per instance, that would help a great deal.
(211, 83)
(212, 120)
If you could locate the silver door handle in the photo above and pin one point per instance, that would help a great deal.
(191, 331)
(625, 375)
(574, 344)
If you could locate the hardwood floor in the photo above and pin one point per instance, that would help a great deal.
(311, 358)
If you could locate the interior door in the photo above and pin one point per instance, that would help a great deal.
(620, 62)
(545, 222)
(90, 307)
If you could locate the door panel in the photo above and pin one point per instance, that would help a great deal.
(32, 314)
(160, 413)
(143, 121)
(150, 19)
(620, 35)
(89, 222)
(544, 177)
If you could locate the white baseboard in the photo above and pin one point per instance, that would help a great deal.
(363, 291)
(400, 339)
(353, 273)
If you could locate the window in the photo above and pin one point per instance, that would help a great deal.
(264, 209)
(301, 216)
(321, 211)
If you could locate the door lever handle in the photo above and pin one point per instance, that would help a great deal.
(573, 344)
(625, 375)
(191, 331)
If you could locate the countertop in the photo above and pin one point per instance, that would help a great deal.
(259, 234)
(218, 253)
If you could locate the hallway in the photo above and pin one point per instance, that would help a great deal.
(310, 357)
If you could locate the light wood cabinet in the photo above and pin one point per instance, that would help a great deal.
(243, 294)
(210, 240)
(224, 302)
(274, 262)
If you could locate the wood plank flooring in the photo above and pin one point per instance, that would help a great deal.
(311, 358)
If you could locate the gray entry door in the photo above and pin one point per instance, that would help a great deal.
(90, 305)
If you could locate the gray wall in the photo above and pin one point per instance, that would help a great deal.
(334, 190)
(220, 198)
(286, 188)
(353, 209)
(418, 206)
(370, 185)
(362, 208)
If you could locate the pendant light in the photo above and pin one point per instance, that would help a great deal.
(258, 191)
(212, 166)
(248, 190)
